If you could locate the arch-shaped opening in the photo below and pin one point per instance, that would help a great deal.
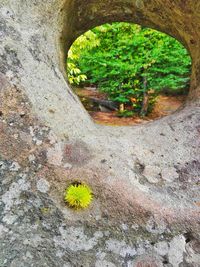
(129, 74)
(169, 18)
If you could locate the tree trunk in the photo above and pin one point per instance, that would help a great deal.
(121, 107)
(145, 102)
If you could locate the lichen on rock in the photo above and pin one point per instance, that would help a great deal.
(146, 186)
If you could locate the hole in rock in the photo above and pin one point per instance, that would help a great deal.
(165, 260)
(125, 74)
(188, 237)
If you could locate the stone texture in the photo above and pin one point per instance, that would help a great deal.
(47, 141)
(162, 248)
(192, 257)
(176, 250)
(169, 174)
(152, 173)
(43, 185)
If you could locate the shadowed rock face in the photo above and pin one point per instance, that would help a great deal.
(145, 178)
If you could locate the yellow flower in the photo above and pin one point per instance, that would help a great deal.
(78, 196)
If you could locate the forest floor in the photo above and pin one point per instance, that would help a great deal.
(165, 105)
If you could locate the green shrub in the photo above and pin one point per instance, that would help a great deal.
(126, 61)
(125, 113)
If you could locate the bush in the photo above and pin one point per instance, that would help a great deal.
(127, 61)
(125, 113)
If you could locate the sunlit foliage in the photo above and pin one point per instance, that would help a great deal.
(128, 61)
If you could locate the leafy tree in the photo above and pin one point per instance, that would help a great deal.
(131, 63)
(84, 43)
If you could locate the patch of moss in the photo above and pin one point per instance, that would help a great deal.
(45, 210)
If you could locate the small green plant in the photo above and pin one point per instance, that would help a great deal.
(125, 113)
(78, 196)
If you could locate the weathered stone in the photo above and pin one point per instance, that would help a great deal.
(47, 140)
(192, 257)
(154, 226)
(43, 186)
(75, 239)
(152, 174)
(176, 250)
(147, 261)
(162, 248)
(169, 174)
(120, 248)
(104, 263)
(55, 155)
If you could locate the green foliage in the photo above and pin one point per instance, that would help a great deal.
(126, 60)
(83, 43)
(75, 76)
(125, 113)
(78, 196)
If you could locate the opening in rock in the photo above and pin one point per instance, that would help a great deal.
(125, 74)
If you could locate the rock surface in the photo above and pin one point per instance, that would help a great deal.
(47, 140)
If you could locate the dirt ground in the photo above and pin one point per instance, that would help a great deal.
(164, 106)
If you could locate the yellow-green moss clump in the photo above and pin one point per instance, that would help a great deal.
(78, 196)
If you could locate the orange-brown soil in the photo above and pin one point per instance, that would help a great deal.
(164, 106)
